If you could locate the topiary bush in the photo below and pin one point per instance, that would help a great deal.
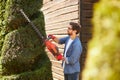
(103, 59)
(22, 54)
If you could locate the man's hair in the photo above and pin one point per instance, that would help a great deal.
(75, 26)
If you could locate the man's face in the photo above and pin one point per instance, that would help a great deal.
(69, 30)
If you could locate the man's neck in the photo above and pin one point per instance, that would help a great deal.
(73, 36)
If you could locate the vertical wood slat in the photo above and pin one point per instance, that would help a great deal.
(86, 14)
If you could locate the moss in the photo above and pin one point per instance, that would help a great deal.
(103, 55)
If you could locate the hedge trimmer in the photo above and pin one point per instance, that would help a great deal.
(50, 46)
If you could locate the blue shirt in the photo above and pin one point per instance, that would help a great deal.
(73, 54)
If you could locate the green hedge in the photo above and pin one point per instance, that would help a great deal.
(23, 56)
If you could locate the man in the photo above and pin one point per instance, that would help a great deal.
(72, 52)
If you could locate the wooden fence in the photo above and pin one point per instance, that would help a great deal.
(58, 14)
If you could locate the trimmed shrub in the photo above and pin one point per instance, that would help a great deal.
(23, 55)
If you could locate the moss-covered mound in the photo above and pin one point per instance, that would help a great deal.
(22, 53)
(103, 59)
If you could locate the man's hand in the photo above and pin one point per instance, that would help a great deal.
(59, 57)
(65, 59)
(54, 38)
(51, 36)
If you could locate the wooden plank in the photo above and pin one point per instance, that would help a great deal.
(58, 31)
(57, 70)
(58, 5)
(56, 63)
(86, 21)
(51, 57)
(51, 4)
(62, 18)
(87, 14)
(61, 50)
(87, 6)
(59, 77)
(59, 25)
(62, 11)
(55, 78)
(85, 37)
(86, 29)
(87, 25)
(46, 1)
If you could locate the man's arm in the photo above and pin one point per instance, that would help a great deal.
(59, 41)
(56, 40)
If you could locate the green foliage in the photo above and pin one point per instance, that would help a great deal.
(104, 49)
(2, 22)
(41, 73)
(20, 49)
(10, 17)
(22, 54)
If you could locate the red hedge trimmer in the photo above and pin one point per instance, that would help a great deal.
(50, 46)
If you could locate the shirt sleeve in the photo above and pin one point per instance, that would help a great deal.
(63, 40)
